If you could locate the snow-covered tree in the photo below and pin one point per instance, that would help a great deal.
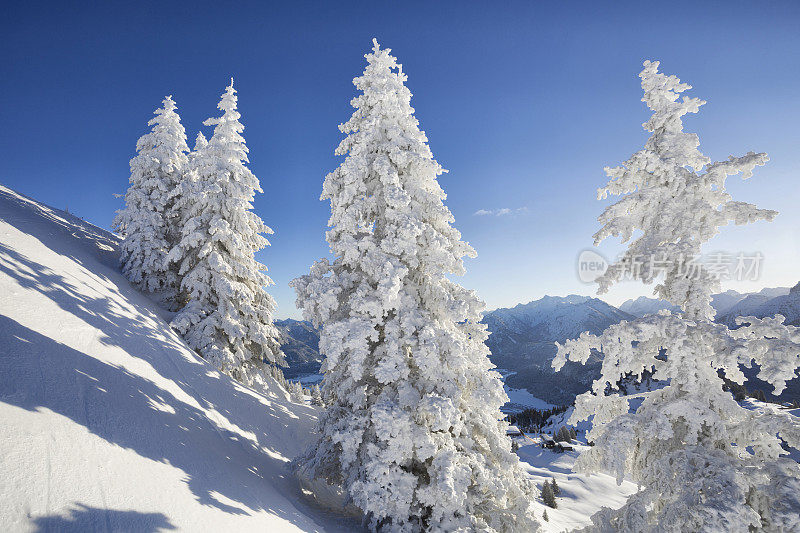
(184, 196)
(200, 142)
(296, 392)
(149, 221)
(277, 374)
(704, 462)
(195, 160)
(316, 395)
(228, 317)
(413, 429)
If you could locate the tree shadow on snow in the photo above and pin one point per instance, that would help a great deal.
(82, 518)
(175, 425)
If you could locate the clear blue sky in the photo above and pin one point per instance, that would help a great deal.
(524, 103)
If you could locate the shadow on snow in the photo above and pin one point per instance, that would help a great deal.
(186, 431)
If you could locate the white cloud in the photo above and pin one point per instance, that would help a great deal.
(502, 212)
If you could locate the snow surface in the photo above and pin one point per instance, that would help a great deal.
(581, 495)
(110, 422)
(521, 399)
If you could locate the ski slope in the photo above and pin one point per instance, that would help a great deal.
(109, 422)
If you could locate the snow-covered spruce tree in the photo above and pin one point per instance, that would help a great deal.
(228, 317)
(316, 395)
(149, 222)
(296, 392)
(412, 429)
(200, 143)
(184, 196)
(704, 462)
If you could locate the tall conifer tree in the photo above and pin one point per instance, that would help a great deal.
(704, 462)
(229, 315)
(149, 221)
(413, 428)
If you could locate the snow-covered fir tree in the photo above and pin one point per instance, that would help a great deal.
(316, 395)
(704, 462)
(413, 428)
(229, 315)
(149, 222)
(200, 143)
(296, 392)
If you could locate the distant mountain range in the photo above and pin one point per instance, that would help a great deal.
(522, 337)
(646, 306)
(522, 341)
(767, 302)
(301, 346)
(728, 305)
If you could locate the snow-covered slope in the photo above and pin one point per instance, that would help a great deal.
(109, 422)
(581, 495)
